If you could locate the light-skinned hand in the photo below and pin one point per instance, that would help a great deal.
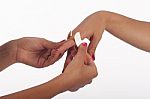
(37, 52)
(81, 70)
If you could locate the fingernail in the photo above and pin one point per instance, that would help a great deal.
(84, 44)
(93, 57)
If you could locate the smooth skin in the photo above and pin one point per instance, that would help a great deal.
(39, 52)
(36, 52)
(134, 32)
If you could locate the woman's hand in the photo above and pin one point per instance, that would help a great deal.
(76, 75)
(37, 52)
(92, 28)
(81, 70)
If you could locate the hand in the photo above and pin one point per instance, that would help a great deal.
(81, 70)
(38, 52)
(92, 28)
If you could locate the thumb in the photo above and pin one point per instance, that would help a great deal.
(94, 40)
(81, 54)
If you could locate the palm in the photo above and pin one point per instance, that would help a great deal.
(35, 53)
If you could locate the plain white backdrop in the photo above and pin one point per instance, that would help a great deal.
(124, 71)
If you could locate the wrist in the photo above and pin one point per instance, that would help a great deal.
(70, 80)
(104, 17)
(8, 53)
(12, 51)
(57, 85)
(109, 18)
(65, 82)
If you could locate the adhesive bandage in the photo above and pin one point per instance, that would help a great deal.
(78, 39)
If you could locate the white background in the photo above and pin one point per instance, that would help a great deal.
(124, 71)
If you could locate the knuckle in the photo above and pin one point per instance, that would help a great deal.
(89, 82)
(74, 89)
(91, 50)
(96, 74)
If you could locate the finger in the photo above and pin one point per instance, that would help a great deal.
(81, 54)
(90, 60)
(58, 44)
(93, 44)
(68, 58)
(46, 53)
(68, 44)
(48, 49)
(91, 67)
(60, 55)
(87, 82)
(49, 44)
(73, 89)
(86, 61)
(80, 86)
(52, 58)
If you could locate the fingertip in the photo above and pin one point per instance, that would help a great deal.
(84, 44)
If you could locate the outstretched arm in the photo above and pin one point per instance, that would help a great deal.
(71, 79)
(134, 32)
(44, 91)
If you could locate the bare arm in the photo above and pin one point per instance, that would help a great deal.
(36, 52)
(23, 50)
(44, 91)
(7, 54)
(134, 32)
(70, 79)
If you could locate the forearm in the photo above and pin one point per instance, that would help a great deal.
(44, 91)
(7, 54)
(134, 32)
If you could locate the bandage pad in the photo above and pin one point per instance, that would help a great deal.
(78, 39)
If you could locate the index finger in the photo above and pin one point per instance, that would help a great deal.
(68, 44)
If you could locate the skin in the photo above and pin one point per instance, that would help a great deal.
(32, 51)
(134, 32)
(36, 52)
